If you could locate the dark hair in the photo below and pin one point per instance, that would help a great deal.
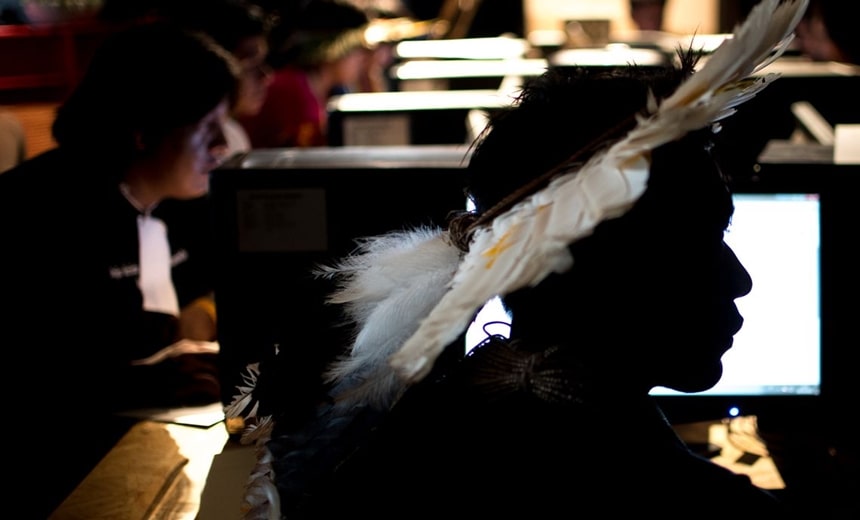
(228, 22)
(566, 110)
(841, 26)
(148, 79)
(317, 32)
(562, 118)
(565, 116)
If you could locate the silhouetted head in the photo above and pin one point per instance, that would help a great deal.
(650, 297)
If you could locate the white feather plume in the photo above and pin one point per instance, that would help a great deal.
(386, 287)
(530, 240)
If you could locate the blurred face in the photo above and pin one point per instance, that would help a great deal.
(656, 288)
(814, 42)
(255, 75)
(182, 160)
(648, 16)
(349, 68)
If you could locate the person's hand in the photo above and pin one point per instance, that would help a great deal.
(197, 320)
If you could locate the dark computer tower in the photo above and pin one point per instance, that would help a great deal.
(280, 213)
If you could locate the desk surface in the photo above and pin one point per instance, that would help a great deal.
(156, 470)
(167, 470)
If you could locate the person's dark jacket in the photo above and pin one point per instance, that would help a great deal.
(71, 316)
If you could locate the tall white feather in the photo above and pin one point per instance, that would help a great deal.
(530, 240)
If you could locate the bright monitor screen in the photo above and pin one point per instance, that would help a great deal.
(778, 350)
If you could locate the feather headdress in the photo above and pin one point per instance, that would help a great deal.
(412, 293)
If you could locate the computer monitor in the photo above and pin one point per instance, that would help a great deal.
(792, 230)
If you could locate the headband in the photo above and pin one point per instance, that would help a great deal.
(413, 292)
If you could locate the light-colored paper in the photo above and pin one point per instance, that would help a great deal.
(846, 148)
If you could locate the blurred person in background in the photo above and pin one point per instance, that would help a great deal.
(828, 32)
(242, 28)
(647, 15)
(390, 22)
(102, 268)
(317, 50)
